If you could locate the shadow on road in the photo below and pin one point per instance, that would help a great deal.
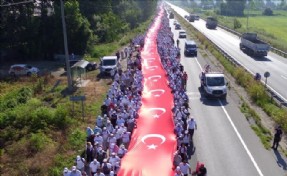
(280, 161)
(211, 101)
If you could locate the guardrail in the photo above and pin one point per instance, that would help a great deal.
(275, 96)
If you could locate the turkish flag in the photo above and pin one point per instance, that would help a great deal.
(153, 142)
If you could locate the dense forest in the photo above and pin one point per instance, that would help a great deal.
(34, 30)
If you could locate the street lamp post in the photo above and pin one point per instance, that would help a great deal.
(247, 16)
(69, 78)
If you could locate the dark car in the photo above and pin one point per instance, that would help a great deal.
(190, 48)
(177, 26)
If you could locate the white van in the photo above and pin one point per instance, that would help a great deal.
(109, 65)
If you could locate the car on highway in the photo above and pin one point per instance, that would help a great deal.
(23, 70)
(175, 22)
(190, 48)
(177, 27)
(182, 34)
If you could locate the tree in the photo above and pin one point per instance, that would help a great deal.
(233, 8)
(267, 12)
(236, 24)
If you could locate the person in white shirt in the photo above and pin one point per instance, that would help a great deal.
(66, 172)
(99, 173)
(113, 160)
(191, 126)
(120, 120)
(185, 168)
(99, 139)
(126, 138)
(75, 172)
(112, 139)
(100, 121)
(178, 172)
(122, 151)
(106, 167)
(80, 163)
(94, 166)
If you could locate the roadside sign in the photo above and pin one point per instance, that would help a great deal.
(77, 98)
(266, 74)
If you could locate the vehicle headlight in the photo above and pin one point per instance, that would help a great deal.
(209, 90)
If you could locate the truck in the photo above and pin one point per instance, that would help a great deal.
(213, 83)
(211, 22)
(191, 18)
(251, 45)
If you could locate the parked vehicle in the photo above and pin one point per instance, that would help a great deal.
(213, 83)
(250, 44)
(177, 27)
(190, 48)
(182, 34)
(175, 22)
(211, 22)
(171, 15)
(23, 70)
(109, 65)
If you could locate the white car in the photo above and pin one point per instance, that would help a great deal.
(23, 69)
(182, 34)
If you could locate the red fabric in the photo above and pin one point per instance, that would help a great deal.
(153, 142)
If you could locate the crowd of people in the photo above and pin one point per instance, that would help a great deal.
(108, 140)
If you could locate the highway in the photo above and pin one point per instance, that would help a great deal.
(224, 140)
(273, 63)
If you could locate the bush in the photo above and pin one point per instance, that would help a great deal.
(38, 141)
(267, 12)
(77, 138)
(236, 24)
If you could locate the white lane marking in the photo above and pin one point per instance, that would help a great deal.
(238, 134)
(283, 76)
(241, 140)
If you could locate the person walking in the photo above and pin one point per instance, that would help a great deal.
(277, 137)
(191, 126)
(177, 42)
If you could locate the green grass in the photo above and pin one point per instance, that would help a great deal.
(273, 29)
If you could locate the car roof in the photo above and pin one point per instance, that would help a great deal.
(190, 42)
(182, 31)
(109, 57)
(19, 65)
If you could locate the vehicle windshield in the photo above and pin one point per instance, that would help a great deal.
(109, 62)
(190, 46)
(215, 81)
(182, 32)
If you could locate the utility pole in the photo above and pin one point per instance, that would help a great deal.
(69, 78)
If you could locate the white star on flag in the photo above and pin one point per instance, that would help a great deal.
(152, 146)
(156, 116)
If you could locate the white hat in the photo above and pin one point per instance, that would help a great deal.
(78, 157)
(74, 168)
(177, 168)
(66, 169)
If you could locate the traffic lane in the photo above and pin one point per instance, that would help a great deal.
(232, 48)
(216, 144)
(266, 160)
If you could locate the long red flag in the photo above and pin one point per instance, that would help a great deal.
(153, 142)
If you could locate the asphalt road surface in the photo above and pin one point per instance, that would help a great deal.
(273, 63)
(224, 140)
